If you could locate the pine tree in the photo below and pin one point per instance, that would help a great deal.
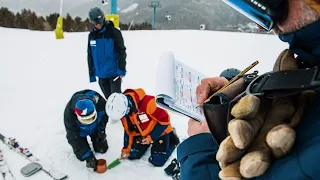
(79, 25)
(7, 18)
(68, 23)
(52, 20)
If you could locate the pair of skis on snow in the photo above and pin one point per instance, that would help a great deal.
(4, 169)
(14, 145)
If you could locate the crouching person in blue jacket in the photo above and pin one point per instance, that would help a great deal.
(85, 116)
(298, 23)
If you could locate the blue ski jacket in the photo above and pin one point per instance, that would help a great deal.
(106, 53)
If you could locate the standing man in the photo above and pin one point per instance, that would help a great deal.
(106, 53)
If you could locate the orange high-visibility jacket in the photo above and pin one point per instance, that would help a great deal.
(148, 118)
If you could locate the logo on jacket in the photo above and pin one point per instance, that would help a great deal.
(93, 43)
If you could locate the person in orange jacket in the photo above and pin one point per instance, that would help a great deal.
(144, 124)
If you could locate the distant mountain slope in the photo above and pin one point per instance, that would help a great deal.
(184, 14)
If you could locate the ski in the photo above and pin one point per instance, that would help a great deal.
(4, 169)
(47, 168)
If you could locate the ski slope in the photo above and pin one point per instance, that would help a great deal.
(39, 74)
(132, 7)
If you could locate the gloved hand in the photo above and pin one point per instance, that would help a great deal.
(91, 162)
(100, 143)
(125, 155)
(262, 129)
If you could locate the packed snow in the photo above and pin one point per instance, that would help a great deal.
(39, 74)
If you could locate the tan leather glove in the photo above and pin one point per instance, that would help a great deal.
(259, 129)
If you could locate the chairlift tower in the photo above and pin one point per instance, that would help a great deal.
(113, 7)
(113, 15)
(154, 4)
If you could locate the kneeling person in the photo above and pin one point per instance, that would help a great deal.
(144, 124)
(85, 116)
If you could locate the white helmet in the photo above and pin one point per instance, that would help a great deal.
(117, 106)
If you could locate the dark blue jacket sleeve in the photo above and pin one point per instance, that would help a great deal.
(157, 131)
(125, 140)
(79, 144)
(119, 42)
(197, 159)
(309, 158)
(92, 77)
(196, 156)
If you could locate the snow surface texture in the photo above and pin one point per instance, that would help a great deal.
(130, 8)
(39, 74)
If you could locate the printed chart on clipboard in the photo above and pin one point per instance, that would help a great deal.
(186, 82)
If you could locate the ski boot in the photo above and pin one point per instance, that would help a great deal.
(173, 169)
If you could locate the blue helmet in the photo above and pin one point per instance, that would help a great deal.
(230, 73)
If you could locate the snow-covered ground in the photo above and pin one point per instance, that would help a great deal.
(39, 74)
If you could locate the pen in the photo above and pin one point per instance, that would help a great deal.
(232, 80)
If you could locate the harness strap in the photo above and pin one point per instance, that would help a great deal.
(285, 83)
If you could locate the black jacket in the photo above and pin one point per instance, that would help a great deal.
(76, 132)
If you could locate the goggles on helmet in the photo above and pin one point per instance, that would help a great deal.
(98, 20)
(88, 119)
(265, 13)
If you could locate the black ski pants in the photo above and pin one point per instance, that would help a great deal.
(108, 86)
(161, 149)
